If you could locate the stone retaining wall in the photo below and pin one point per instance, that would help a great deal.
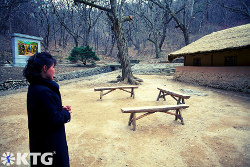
(13, 84)
(227, 78)
(16, 84)
(82, 73)
(155, 69)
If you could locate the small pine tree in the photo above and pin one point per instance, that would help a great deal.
(83, 54)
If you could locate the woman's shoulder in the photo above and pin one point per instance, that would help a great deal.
(40, 89)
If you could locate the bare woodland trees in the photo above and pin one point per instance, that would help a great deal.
(180, 24)
(45, 23)
(116, 15)
(153, 21)
(90, 21)
(242, 9)
(167, 24)
(69, 17)
(6, 9)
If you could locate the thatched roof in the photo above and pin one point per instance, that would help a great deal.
(232, 38)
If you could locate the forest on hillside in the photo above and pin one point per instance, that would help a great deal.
(154, 28)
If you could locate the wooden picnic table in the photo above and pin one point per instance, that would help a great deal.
(148, 110)
(110, 89)
(175, 95)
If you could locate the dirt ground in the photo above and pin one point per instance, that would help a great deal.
(216, 130)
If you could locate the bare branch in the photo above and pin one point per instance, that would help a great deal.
(71, 32)
(150, 39)
(180, 24)
(172, 13)
(96, 19)
(12, 3)
(238, 10)
(93, 5)
(245, 6)
(127, 18)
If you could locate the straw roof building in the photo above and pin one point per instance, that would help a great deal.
(218, 48)
(219, 60)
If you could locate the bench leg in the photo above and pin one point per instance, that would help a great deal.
(178, 115)
(180, 101)
(132, 93)
(161, 95)
(132, 120)
(181, 118)
(158, 96)
(101, 94)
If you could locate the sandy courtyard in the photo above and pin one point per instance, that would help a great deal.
(216, 130)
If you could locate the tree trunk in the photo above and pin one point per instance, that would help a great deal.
(155, 43)
(166, 20)
(157, 50)
(86, 37)
(164, 35)
(112, 47)
(122, 45)
(186, 36)
(76, 41)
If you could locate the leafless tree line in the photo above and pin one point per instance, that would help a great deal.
(164, 24)
(104, 23)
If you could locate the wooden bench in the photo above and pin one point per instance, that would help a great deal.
(177, 96)
(152, 109)
(110, 89)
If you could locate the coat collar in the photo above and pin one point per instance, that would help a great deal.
(49, 83)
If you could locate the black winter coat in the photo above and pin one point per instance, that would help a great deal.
(46, 121)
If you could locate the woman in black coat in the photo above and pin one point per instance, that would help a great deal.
(46, 115)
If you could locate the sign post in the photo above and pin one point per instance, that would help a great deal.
(24, 46)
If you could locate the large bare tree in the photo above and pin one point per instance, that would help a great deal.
(115, 12)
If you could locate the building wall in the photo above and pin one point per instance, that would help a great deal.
(228, 78)
(243, 57)
(205, 59)
(218, 58)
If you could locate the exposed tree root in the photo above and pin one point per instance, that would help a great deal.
(133, 81)
(138, 79)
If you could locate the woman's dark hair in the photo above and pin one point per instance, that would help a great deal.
(35, 64)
